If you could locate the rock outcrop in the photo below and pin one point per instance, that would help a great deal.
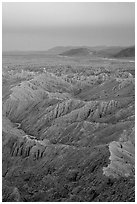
(122, 159)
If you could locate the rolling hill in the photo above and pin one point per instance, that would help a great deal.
(108, 52)
(128, 52)
(105, 52)
(77, 52)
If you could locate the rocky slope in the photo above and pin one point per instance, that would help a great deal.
(69, 140)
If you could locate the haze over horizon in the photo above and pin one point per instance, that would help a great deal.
(40, 26)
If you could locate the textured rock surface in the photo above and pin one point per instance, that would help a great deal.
(122, 156)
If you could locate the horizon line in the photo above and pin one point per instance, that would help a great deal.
(45, 50)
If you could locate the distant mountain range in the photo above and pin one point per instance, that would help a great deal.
(99, 51)
(60, 49)
(128, 52)
(77, 52)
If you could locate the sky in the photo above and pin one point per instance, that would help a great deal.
(40, 26)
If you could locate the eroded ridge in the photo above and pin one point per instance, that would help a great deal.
(122, 158)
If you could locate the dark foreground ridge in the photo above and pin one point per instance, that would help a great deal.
(68, 133)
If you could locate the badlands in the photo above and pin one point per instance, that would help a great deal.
(68, 128)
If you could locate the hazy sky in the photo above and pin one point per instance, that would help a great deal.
(39, 26)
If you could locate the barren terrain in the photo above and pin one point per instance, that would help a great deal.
(68, 128)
